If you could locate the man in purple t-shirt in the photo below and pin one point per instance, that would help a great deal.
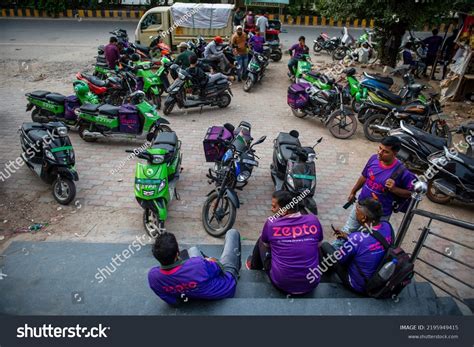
(112, 53)
(288, 246)
(378, 182)
(434, 43)
(356, 261)
(296, 51)
(197, 277)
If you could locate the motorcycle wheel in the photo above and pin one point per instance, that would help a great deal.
(317, 47)
(435, 195)
(169, 105)
(224, 101)
(156, 100)
(342, 124)
(298, 113)
(277, 56)
(375, 135)
(64, 190)
(228, 209)
(248, 84)
(35, 116)
(153, 226)
(339, 53)
(82, 129)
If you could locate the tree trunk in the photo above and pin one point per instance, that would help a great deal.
(390, 41)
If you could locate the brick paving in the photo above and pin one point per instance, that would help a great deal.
(107, 200)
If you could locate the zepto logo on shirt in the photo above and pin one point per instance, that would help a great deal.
(295, 231)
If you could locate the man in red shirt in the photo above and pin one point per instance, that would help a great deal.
(112, 53)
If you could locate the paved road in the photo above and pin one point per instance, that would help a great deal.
(67, 38)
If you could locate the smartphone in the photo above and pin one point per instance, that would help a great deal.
(348, 204)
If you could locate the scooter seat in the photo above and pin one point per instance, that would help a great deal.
(166, 138)
(381, 79)
(350, 71)
(28, 126)
(109, 110)
(393, 98)
(435, 141)
(287, 139)
(216, 79)
(287, 151)
(415, 88)
(94, 80)
(143, 48)
(89, 108)
(324, 78)
(38, 135)
(55, 97)
(39, 94)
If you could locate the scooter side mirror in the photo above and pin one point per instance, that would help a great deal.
(318, 142)
(294, 133)
(259, 141)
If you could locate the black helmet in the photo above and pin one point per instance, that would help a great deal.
(135, 57)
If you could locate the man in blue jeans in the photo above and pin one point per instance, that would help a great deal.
(194, 277)
(239, 44)
(383, 178)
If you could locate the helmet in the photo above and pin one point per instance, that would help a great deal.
(218, 39)
(135, 57)
(81, 88)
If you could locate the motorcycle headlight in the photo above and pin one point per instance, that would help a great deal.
(162, 185)
(62, 131)
(181, 76)
(290, 181)
(158, 159)
(311, 157)
(244, 176)
(48, 154)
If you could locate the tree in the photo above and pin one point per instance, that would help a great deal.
(394, 17)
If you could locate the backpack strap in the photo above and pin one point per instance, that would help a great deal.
(396, 173)
(384, 243)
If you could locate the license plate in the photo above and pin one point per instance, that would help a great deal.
(250, 162)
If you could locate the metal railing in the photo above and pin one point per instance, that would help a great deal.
(420, 190)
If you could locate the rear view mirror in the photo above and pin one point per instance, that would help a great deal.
(259, 141)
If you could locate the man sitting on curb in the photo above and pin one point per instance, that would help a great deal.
(197, 277)
(360, 254)
(288, 246)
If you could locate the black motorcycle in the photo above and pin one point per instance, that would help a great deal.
(275, 52)
(48, 152)
(293, 168)
(215, 93)
(327, 105)
(454, 179)
(255, 70)
(427, 117)
(230, 173)
(417, 145)
(324, 42)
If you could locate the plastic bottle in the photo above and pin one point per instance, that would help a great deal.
(388, 269)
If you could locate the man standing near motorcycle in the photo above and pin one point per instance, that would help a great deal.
(288, 246)
(214, 53)
(239, 44)
(183, 57)
(262, 24)
(434, 43)
(256, 42)
(385, 179)
(296, 51)
(180, 278)
(112, 53)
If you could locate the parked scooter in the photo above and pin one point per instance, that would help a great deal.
(303, 67)
(293, 168)
(216, 92)
(455, 179)
(138, 118)
(48, 152)
(232, 152)
(417, 145)
(51, 107)
(255, 70)
(155, 181)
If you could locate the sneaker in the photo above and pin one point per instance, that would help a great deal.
(248, 263)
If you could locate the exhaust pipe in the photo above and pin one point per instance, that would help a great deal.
(92, 134)
(380, 128)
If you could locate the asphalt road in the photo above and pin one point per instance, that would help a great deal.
(69, 39)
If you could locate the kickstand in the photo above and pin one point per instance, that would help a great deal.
(176, 194)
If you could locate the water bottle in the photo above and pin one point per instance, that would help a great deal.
(388, 269)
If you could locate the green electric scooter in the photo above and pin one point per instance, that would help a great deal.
(155, 180)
